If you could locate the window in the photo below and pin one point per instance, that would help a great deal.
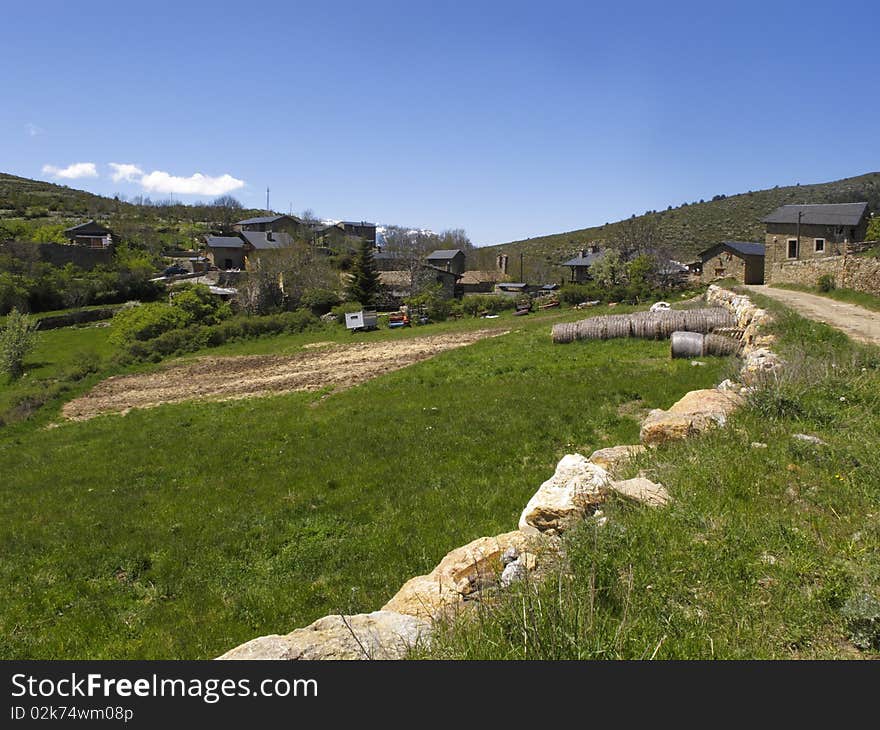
(792, 248)
(820, 245)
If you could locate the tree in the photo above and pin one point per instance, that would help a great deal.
(641, 275)
(281, 277)
(873, 229)
(200, 305)
(363, 284)
(609, 269)
(227, 209)
(17, 339)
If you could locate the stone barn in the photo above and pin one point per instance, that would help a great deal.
(740, 260)
(804, 232)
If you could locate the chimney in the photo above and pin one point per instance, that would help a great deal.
(584, 252)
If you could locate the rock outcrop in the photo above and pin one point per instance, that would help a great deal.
(462, 573)
(696, 412)
(642, 490)
(614, 456)
(378, 635)
(566, 497)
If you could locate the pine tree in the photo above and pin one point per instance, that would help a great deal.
(363, 283)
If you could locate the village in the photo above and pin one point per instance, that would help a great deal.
(801, 244)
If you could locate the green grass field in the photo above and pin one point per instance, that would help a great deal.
(184, 530)
(767, 551)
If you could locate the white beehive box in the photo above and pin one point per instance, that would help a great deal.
(365, 319)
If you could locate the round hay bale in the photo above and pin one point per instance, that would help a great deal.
(719, 345)
(686, 344)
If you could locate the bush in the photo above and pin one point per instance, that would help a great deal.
(197, 337)
(146, 322)
(84, 363)
(200, 305)
(826, 283)
(577, 293)
(486, 304)
(319, 301)
(17, 339)
(432, 303)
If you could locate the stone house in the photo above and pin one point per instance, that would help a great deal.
(740, 260)
(271, 223)
(243, 250)
(804, 232)
(580, 264)
(398, 285)
(91, 235)
(452, 260)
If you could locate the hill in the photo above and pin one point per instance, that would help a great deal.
(21, 197)
(690, 228)
(35, 210)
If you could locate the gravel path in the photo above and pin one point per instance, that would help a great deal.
(857, 322)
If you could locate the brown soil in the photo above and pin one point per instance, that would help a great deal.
(227, 378)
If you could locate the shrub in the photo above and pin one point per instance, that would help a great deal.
(319, 301)
(577, 293)
(146, 322)
(826, 283)
(197, 337)
(486, 304)
(432, 303)
(200, 305)
(84, 363)
(17, 339)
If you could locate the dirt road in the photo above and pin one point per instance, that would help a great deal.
(857, 322)
(228, 378)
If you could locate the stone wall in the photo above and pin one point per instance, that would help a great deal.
(850, 272)
(59, 254)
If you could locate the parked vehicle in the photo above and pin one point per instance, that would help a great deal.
(398, 319)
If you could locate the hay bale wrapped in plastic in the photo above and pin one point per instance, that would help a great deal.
(689, 345)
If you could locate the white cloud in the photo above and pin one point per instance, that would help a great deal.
(72, 172)
(33, 130)
(197, 184)
(125, 172)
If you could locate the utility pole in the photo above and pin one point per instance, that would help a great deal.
(798, 250)
(521, 267)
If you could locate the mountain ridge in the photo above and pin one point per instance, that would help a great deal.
(692, 227)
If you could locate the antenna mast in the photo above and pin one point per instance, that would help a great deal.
(267, 200)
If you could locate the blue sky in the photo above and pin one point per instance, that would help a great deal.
(507, 119)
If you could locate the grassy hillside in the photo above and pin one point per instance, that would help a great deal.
(34, 210)
(21, 197)
(181, 531)
(690, 228)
